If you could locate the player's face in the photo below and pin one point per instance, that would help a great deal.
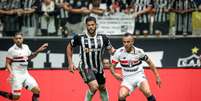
(91, 27)
(18, 39)
(128, 42)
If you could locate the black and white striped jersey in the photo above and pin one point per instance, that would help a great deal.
(140, 5)
(12, 22)
(184, 20)
(63, 13)
(29, 20)
(91, 50)
(161, 5)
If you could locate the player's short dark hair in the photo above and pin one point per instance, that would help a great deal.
(18, 33)
(129, 34)
(90, 18)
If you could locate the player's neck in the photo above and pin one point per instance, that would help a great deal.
(19, 46)
(92, 34)
(131, 50)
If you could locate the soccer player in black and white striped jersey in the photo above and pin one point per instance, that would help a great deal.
(183, 10)
(161, 17)
(141, 9)
(92, 46)
(29, 19)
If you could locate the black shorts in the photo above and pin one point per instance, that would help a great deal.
(89, 75)
(140, 27)
(161, 26)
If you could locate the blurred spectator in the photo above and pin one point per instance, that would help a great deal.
(77, 10)
(29, 18)
(11, 12)
(97, 8)
(61, 17)
(198, 3)
(48, 10)
(161, 17)
(141, 9)
(1, 17)
(183, 10)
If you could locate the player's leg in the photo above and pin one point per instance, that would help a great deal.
(145, 89)
(101, 82)
(32, 85)
(36, 93)
(16, 86)
(93, 87)
(90, 79)
(127, 86)
(123, 93)
(9, 95)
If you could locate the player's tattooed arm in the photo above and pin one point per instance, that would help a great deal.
(155, 71)
(40, 49)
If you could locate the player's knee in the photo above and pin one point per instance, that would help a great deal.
(122, 98)
(147, 93)
(122, 95)
(36, 90)
(102, 88)
(93, 89)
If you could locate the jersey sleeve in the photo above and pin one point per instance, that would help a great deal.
(28, 50)
(106, 42)
(76, 41)
(143, 56)
(9, 55)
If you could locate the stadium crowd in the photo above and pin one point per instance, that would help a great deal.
(66, 17)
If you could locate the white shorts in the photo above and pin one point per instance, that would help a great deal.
(18, 81)
(133, 81)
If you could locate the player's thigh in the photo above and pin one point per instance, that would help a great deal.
(16, 85)
(89, 78)
(93, 85)
(31, 84)
(127, 86)
(145, 88)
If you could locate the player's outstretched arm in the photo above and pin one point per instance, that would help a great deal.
(155, 71)
(69, 52)
(40, 49)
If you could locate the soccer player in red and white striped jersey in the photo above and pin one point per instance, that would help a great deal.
(16, 64)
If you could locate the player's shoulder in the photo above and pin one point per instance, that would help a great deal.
(11, 48)
(25, 46)
(103, 35)
(139, 50)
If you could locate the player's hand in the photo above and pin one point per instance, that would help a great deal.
(135, 15)
(43, 47)
(158, 81)
(118, 76)
(72, 68)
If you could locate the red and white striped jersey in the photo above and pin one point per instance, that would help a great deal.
(130, 63)
(19, 57)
